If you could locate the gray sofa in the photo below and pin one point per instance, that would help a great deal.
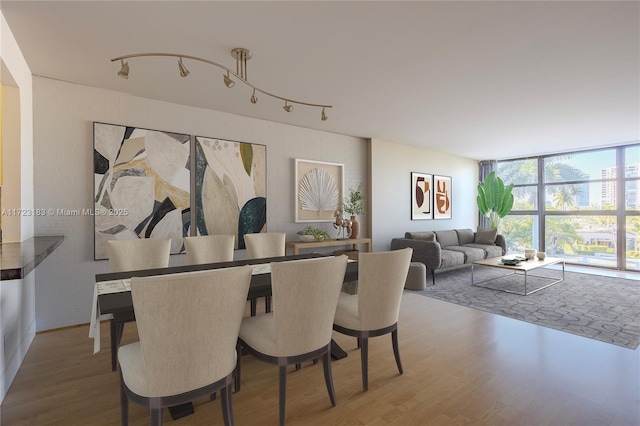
(451, 249)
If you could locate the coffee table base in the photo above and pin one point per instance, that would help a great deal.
(524, 272)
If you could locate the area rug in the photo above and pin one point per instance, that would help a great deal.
(601, 308)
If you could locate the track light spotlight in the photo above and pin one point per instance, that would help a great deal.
(124, 70)
(323, 117)
(183, 70)
(228, 82)
(286, 107)
(254, 98)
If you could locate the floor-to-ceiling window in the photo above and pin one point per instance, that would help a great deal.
(581, 206)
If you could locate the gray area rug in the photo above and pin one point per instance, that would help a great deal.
(601, 308)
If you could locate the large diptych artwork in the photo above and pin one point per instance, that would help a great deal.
(141, 185)
(421, 196)
(230, 188)
(442, 197)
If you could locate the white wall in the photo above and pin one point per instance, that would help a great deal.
(17, 316)
(17, 190)
(391, 165)
(63, 140)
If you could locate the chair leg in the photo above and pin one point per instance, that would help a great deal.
(358, 339)
(396, 349)
(124, 404)
(283, 391)
(227, 405)
(364, 361)
(156, 416)
(267, 304)
(328, 378)
(254, 307)
(116, 337)
(238, 367)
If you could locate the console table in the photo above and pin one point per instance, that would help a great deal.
(297, 245)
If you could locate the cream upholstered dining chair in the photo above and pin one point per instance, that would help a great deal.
(375, 309)
(305, 294)
(139, 253)
(134, 255)
(261, 245)
(188, 327)
(209, 248)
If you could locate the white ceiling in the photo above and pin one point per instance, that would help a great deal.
(476, 79)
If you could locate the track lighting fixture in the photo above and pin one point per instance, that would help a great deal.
(124, 71)
(242, 56)
(183, 70)
(228, 82)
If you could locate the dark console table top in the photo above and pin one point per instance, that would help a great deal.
(18, 259)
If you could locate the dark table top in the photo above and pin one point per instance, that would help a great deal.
(18, 259)
(120, 305)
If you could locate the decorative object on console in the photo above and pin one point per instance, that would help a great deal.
(241, 56)
(354, 205)
(319, 189)
(442, 197)
(541, 255)
(141, 185)
(343, 225)
(313, 234)
(230, 188)
(421, 196)
(494, 199)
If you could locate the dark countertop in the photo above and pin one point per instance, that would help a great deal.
(18, 259)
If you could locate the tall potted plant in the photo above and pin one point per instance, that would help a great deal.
(354, 205)
(494, 199)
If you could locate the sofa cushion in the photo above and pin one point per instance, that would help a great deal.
(471, 254)
(485, 236)
(451, 258)
(465, 236)
(425, 236)
(447, 238)
(491, 250)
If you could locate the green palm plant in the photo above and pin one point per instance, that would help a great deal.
(494, 199)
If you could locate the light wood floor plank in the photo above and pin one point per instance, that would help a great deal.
(462, 367)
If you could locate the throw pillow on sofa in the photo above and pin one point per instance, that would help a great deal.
(424, 236)
(486, 236)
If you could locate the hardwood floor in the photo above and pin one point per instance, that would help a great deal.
(462, 366)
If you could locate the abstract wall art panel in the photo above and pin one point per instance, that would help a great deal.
(319, 189)
(230, 188)
(442, 197)
(421, 196)
(141, 185)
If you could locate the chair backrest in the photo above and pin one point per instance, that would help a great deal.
(188, 326)
(209, 249)
(305, 297)
(381, 279)
(137, 254)
(265, 244)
